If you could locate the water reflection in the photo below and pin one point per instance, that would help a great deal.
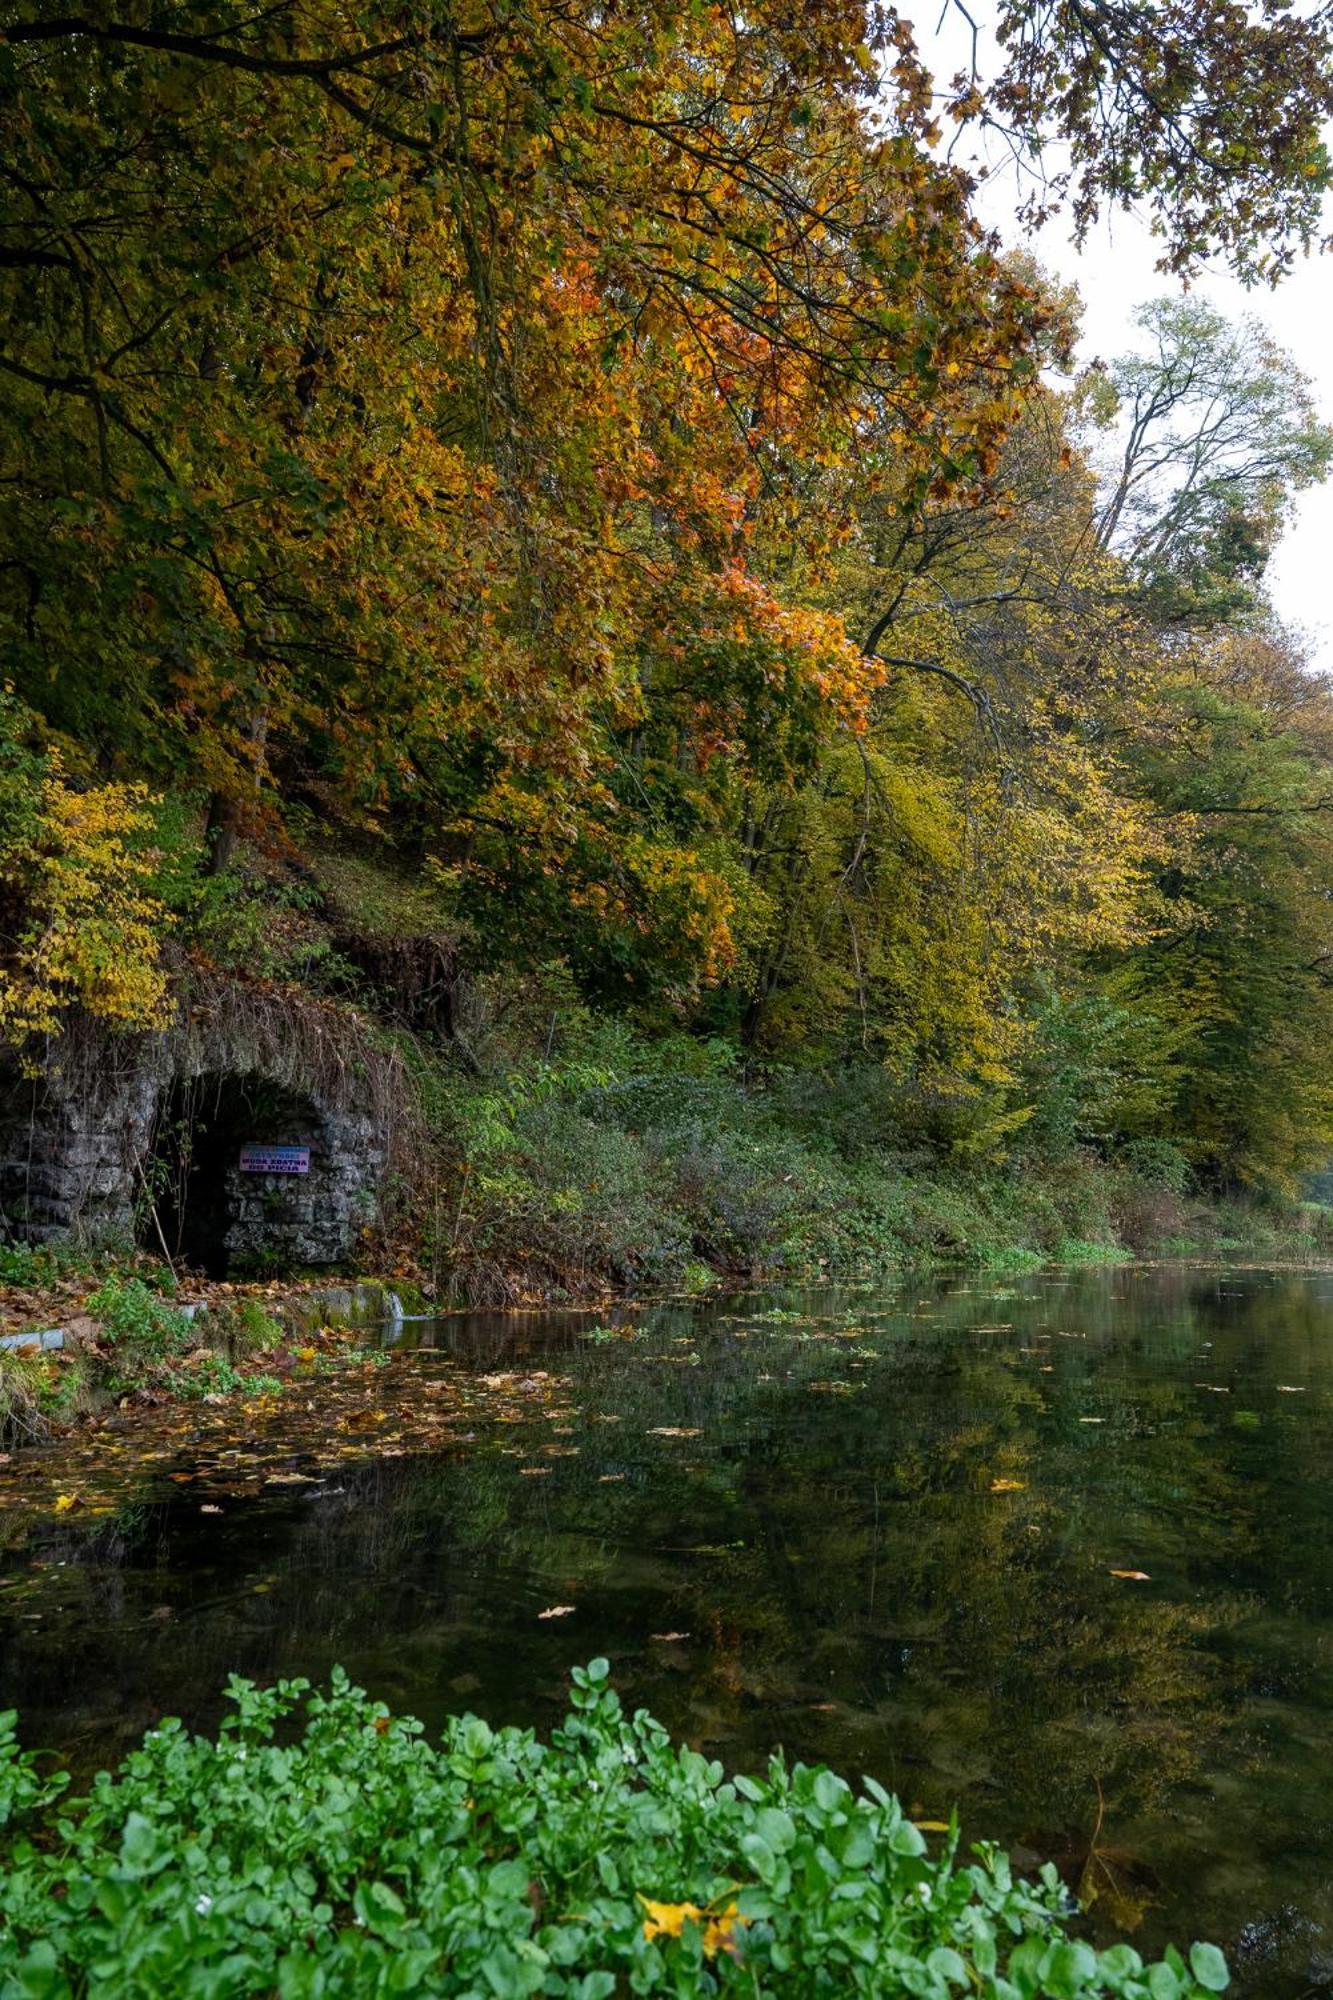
(878, 1528)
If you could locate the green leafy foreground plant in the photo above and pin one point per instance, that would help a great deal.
(356, 1858)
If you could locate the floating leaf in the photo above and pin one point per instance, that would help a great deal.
(1008, 1486)
(1132, 1575)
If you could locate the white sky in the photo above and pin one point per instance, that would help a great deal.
(1115, 272)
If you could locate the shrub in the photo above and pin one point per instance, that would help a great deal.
(357, 1859)
(151, 1346)
(145, 1334)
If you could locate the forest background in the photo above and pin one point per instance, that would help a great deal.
(550, 537)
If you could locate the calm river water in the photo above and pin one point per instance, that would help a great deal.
(881, 1528)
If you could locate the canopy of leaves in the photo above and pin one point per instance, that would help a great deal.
(588, 470)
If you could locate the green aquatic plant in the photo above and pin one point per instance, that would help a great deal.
(356, 1858)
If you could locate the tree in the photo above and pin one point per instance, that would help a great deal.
(1239, 767)
(388, 402)
(1208, 114)
(1216, 430)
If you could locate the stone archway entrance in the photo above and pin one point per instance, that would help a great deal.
(245, 1178)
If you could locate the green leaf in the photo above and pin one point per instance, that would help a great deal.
(1068, 1969)
(1209, 1967)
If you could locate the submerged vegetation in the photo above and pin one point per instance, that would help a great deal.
(356, 1857)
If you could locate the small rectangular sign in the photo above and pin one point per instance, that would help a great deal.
(257, 1159)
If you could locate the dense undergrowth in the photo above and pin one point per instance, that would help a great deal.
(357, 1858)
(631, 1164)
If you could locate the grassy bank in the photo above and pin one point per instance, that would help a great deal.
(361, 1859)
(648, 1166)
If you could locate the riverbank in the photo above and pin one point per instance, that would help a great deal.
(660, 1168)
(648, 1213)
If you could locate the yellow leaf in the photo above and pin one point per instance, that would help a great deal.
(66, 1501)
(1008, 1486)
(668, 1919)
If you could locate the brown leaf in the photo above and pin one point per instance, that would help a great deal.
(556, 1611)
(1132, 1575)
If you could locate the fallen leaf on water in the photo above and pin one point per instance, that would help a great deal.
(668, 1637)
(535, 1471)
(287, 1479)
(1132, 1575)
(1008, 1486)
(556, 1611)
(609, 1478)
(209, 1509)
(1291, 1388)
(1092, 1420)
(673, 1431)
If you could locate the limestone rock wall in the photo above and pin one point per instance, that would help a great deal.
(77, 1152)
(70, 1165)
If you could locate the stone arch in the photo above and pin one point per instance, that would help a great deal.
(249, 1174)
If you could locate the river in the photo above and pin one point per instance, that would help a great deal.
(1057, 1549)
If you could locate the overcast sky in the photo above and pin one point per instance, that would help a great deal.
(1115, 272)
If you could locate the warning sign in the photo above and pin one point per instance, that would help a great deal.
(259, 1159)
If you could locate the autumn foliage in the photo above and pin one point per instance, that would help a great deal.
(591, 462)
